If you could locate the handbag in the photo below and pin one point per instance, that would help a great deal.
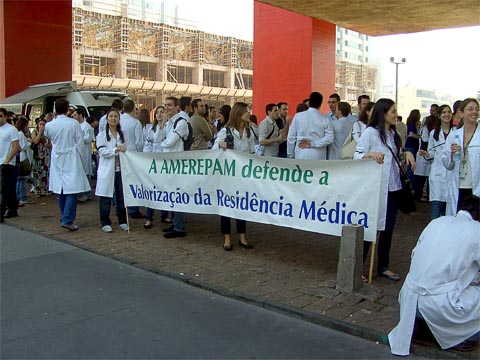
(229, 139)
(348, 148)
(25, 168)
(406, 202)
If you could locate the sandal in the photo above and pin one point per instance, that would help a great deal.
(390, 275)
(364, 279)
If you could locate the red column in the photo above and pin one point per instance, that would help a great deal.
(293, 55)
(36, 43)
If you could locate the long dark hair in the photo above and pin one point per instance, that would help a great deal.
(119, 129)
(377, 121)
(363, 117)
(438, 124)
(155, 121)
(235, 119)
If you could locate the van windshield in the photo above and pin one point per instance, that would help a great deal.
(98, 111)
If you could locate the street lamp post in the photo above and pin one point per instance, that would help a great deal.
(402, 61)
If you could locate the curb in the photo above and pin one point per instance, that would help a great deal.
(318, 319)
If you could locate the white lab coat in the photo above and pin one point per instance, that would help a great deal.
(341, 129)
(66, 170)
(370, 142)
(313, 126)
(444, 263)
(422, 167)
(358, 128)
(244, 144)
(106, 167)
(453, 167)
(153, 139)
(173, 141)
(85, 148)
(133, 132)
(438, 173)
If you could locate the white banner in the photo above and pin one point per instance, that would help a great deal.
(312, 195)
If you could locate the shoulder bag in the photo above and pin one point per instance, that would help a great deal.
(406, 202)
(348, 148)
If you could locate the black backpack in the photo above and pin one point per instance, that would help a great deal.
(187, 143)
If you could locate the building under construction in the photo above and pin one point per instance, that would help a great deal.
(150, 55)
(152, 60)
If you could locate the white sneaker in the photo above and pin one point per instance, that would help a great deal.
(107, 229)
(124, 227)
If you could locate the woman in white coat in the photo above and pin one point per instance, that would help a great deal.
(236, 135)
(438, 173)
(109, 179)
(379, 142)
(461, 157)
(154, 134)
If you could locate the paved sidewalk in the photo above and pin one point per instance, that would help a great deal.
(289, 270)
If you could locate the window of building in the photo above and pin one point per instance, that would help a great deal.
(147, 71)
(179, 74)
(213, 78)
(346, 42)
(246, 81)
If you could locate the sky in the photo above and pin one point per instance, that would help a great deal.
(446, 60)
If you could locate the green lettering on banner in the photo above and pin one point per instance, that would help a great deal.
(323, 178)
(153, 166)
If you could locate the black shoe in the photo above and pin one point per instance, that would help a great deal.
(166, 221)
(174, 234)
(227, 247)
(9, 215)
(169, 229)
(466, 346)
(245, 246)
(148, 225)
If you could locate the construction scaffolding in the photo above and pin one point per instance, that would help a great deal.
(354, 79)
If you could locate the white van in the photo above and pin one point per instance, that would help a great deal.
(40, 99)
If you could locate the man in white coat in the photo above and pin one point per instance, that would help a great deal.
(67, 177)
(310, 132)
(133, 132)
(177, 131)
(440, 285)
(85, 148)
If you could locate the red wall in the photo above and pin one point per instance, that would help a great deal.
(37, 42)
(293, 55)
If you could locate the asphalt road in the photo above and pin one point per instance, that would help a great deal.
(60, 302)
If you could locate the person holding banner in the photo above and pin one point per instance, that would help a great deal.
(109, 179)
(176, 130)
(381, 142)
(154, 134)
(236, 135)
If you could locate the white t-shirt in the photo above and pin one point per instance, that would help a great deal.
(8, 134)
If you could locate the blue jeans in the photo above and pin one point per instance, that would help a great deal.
(410, 174)
(21, 192)
(149, 214)
(438, 209)
(106, 203)
(68, 208)
(178, 221)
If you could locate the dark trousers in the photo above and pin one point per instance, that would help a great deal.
(418, 184)
(225, 225)
(462, 194)
(385, 236)
(8, 185)
(106, 203)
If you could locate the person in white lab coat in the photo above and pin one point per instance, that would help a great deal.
(154, 134)
(463, 174)
(85, 148)
(310, 132)
(438, 173)
(177, 130)
(110, 143)
(379, 142)
(67, 177)
(440, 286)
(342, 127)
(238, 136)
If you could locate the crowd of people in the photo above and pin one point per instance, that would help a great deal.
(441, 154)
